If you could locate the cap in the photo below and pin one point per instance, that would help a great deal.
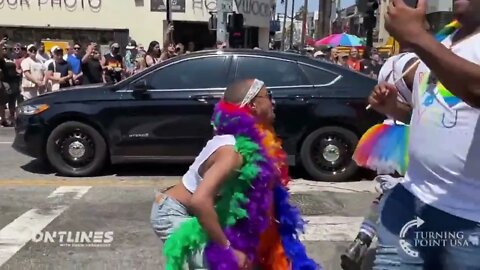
(318, 54)
(55, 48)
(31, 46)
(131, 45)
(115, 45)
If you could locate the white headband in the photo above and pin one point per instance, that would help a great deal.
(252, 92)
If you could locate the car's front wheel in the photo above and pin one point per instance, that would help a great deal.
(76, 149)
(326, 154)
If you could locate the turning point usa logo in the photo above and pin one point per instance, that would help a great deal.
(75, 238)
(423, 239)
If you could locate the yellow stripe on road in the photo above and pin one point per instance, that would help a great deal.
(110, 182)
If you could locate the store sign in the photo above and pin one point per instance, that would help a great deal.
(69, 5)
(256, 13)
(254, 7)
(160, 6)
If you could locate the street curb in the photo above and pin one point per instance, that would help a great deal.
(7, 131)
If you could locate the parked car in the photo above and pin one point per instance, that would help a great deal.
(163, 113)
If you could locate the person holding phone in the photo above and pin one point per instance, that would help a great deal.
(431, 220)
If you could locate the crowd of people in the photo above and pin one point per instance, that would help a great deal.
(369, 63)
(27, 71)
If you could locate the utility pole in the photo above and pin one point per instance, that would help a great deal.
(370, 21)
(291, 24)
(304, 23)
(284, 28)
(224, 7)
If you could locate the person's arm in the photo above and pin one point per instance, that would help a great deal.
(164, 56)
(49, 74)
(167, 39)
(26, 72)
(227, 162)
(3, 41)
(69, 76)
(149, 60)
(69, 72)
(460, 76)
(384, 100)
(103, 62)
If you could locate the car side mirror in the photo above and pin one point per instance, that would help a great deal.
(140, 86)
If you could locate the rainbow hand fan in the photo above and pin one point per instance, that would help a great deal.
(384, 149)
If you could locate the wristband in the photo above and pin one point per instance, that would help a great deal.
(227, 246)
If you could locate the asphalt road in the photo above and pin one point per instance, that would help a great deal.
(37, 204)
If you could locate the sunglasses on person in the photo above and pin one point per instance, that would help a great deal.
(32, 50)
(76, 48)
(16, 49)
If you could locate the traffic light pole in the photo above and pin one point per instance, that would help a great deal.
(284, 27)
(224, 7)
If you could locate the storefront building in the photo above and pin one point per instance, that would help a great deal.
(105, 21)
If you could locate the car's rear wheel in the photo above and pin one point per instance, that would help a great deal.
(76, 149)
(326, 154)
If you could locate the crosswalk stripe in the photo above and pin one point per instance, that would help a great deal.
(331, 228)
(20, 231)
(301, 186)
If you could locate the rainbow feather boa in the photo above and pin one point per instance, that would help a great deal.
(250, 205)
(384, 147)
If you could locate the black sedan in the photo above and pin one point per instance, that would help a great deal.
(163, 114)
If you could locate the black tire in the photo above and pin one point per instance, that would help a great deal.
(75, 133)
(333, 170)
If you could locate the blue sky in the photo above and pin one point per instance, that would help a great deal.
(312, 5)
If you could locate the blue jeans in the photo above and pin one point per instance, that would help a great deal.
(440, 242)
(166, 216)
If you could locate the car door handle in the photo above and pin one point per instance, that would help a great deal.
(300, 97)
(202, 98)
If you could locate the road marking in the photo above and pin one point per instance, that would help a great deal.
(296, 186)
(20, 231)
(105, 182)
(301, 186)
(6, 142)
(331, 228)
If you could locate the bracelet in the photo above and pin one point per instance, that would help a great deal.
(227, 245)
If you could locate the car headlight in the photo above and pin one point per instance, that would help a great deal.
(32, 109)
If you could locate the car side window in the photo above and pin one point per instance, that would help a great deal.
(272, 71)
(318, 76)
(204, 72)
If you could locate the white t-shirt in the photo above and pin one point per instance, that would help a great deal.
(36, 68)
(42, 57)
(444, 148)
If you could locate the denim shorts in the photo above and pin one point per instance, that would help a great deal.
(166, 216)
(413, 235)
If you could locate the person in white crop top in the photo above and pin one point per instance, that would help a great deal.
(431, 220)
(200, 185)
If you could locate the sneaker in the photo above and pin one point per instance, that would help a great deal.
(352, 258)
(4, 123)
